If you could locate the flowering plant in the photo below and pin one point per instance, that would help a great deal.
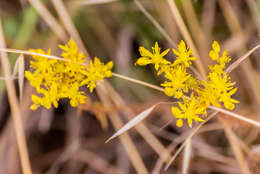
(56, 79)
(179, 83)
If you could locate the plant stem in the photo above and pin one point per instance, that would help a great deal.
(138, 82)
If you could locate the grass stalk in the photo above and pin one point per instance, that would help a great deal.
(92, 2)
(155, 23)
(138, 82)
(67, 22)
(185, 33)
(247, 68)
(188, 138)
(235, 146)
(49, 19)
(141, 128)
(15, 109)
(196, 30)
(125, 139)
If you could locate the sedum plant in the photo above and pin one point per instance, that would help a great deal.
(57, 79)
(216, 90)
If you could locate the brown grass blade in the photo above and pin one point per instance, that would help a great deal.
(92, 2)
(235, 115)
(49, 19)
(187, 156)
(15, 109)
(125, 139)
(196, 31)
(140, 117)
(235, 147)
(30, 53)
(155, 23)
(241, 59)
(194, 131)
(185, 33)
(67, 22)
(21, 76)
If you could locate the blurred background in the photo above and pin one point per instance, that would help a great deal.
(70, 140)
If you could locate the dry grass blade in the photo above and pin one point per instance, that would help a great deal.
(241, 59)
(253, 7)
(185, 33)
(196, 30)
(237, 116)
(8, 78)
(96, 162)
(67, 22)
(140, 117)
(138, 82)
(92, 2)
(142, 129)
(187, 156)
(155, 23)
(15, 109)
(49, 19)
(125, 139)
(30, 53)
(194, 131)
(15, 71)
(235, 147)
(21, 76)
(129, 147)
(233, 22)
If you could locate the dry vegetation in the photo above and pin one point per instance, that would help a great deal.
(71, 140)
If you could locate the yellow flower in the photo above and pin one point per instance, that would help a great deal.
(218, 88)
(155, 57)
(95, 72)
(183, 55)
(54, 79)
(214, 55)
(177, 83)
(190, 110)
(71, 52)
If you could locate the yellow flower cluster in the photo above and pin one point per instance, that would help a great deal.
(179, 83)
(56, 79)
